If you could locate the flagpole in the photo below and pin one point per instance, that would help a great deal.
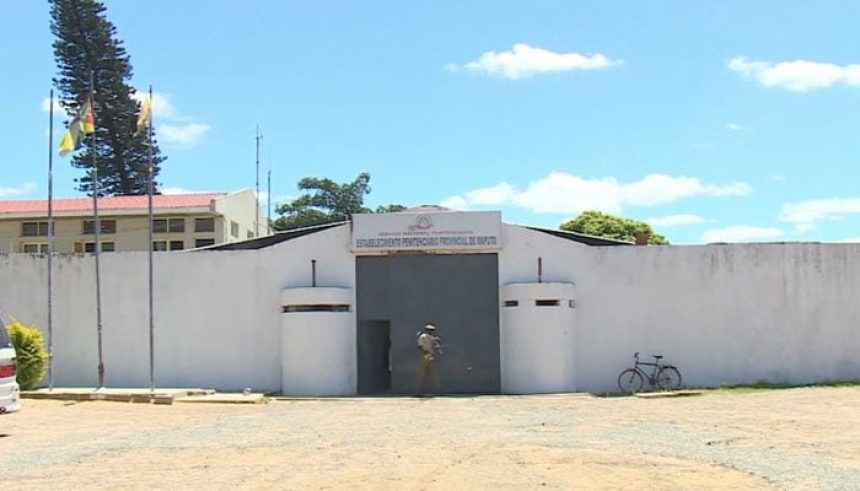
(97, 230)
(269, 203)
(257, 195)
(151, 295)
(50, 242)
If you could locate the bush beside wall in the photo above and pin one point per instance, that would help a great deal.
(31, 353)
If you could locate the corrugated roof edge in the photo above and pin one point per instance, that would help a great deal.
(586, 239)
(278, 237)
(270, 240)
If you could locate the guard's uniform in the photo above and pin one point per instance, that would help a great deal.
(429, 347)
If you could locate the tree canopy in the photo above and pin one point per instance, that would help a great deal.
(85, 48)
(326, 201)
(601, 224)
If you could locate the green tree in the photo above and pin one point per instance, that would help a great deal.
(86, 46)
(389, 209)
(601, 224)
(326, 201)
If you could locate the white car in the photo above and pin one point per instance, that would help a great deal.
(10, 397)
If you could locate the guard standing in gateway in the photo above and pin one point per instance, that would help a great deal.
(429, 351)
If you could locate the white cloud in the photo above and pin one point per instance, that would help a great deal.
(741, 233)
(524, 61)
(850, 240)
(734, 127)
(27, 187)
(675, 220)
(798, 75)
(805, 214)
(776, 178)
(561, 192)
(58, 109)
(161, 105)
(656, 189)
(173, 127)
(455, 203)
(185, 135)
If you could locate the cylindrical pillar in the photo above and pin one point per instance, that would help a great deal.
(537, 338)
(317, 342)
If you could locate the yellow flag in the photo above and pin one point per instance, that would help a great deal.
(144, 119)
(72, 137)
(66, 144)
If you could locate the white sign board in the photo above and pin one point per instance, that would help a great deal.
(434, 231)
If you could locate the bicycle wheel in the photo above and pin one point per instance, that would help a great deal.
(669, 378)
(630, 381)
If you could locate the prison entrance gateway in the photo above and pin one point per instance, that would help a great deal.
(429, 269)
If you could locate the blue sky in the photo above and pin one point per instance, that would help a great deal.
(715, 121)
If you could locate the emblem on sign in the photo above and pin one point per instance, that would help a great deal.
(423, 222)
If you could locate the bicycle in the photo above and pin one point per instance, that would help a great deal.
(666, 377)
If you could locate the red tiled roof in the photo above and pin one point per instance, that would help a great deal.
(109, 203)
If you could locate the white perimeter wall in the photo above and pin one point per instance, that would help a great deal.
(722, 313)
(741, 313)
(217, 313)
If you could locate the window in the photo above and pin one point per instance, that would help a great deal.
(164, 245)
(204, 242)
(234, 229)
(107, 227)
(90, 247)
(250, 234)
(34, 229)
(204, 224)
(172, 225)
(34, 248)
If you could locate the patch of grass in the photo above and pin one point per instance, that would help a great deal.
(610, 394)
(767, 386)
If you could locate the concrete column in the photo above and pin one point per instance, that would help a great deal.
(318, 342)
(537, 338)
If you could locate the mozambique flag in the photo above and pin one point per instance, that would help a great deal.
(82, 123)
(72, 137)
(88, 116)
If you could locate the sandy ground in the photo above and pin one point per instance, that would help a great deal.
(786, 439)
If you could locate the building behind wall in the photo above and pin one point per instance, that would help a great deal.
(181, 221)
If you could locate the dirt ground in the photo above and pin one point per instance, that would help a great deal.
(782, 439)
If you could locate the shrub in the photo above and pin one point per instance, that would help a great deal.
(31, 353)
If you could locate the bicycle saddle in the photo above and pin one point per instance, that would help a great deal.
(657, 356)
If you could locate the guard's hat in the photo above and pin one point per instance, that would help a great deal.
(429, 327)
